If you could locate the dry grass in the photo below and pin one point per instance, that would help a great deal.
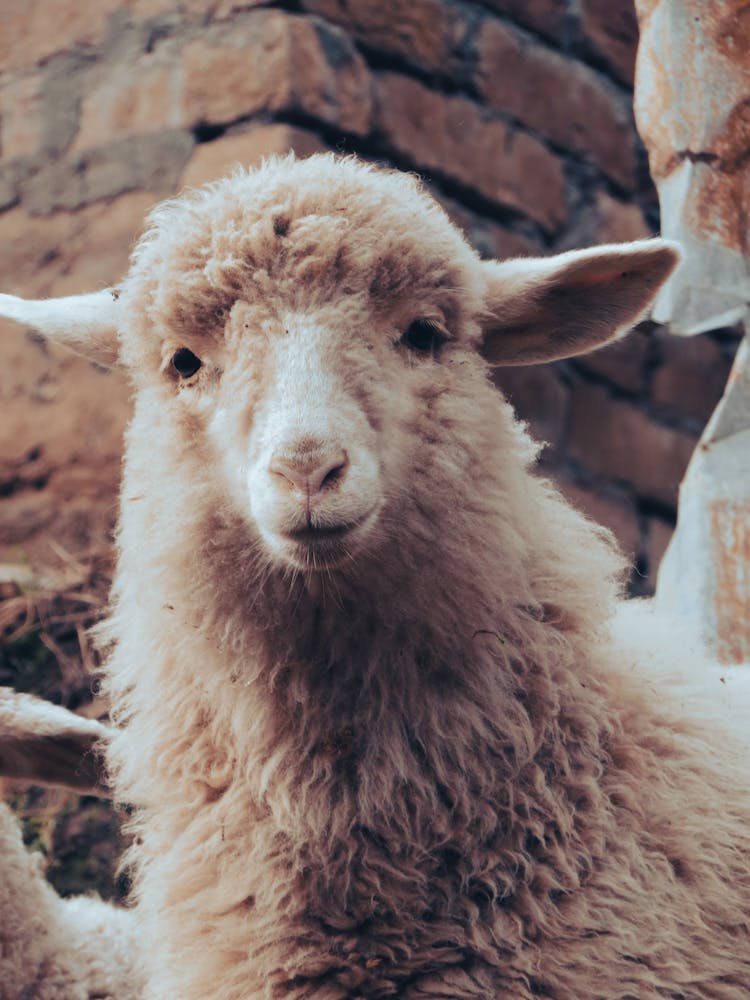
(44, 621)
(45, 649)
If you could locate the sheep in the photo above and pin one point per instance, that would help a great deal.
(381, 733)
(54, 949)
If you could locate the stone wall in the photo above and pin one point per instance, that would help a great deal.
(516, 112)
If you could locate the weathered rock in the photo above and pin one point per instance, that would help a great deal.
(705, 575)
(693, 110)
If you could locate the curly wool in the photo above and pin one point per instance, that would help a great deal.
(55, 949)
(433, 772)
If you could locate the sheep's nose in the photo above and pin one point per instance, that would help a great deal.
(312, 473)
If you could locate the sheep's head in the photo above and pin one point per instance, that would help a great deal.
(316, 334)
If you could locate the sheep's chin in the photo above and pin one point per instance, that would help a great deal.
(316, 551)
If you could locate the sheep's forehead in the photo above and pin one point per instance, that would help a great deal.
(306, 234)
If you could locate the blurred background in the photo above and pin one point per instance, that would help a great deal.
(517, 114)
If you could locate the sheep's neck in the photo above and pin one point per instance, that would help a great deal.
(346, 705)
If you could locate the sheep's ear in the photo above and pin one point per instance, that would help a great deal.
(550, 308)
(86, 324)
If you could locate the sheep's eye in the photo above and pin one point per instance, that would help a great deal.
(423, 336)
(185, 363)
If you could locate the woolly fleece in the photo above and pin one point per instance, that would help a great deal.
(54, 949)
(414, 763)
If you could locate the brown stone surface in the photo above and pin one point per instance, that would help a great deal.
(69, 252)
(615, 439)
(454, 137)
(505, 244)
(34, 30)
(152, 162)
(215, 159)
(20, 117)
(610, 27)
(568, 103)
(489, 238)
(130, 98)
(622, 362)
(252, 64)
(619, 221)
(192, 9)
(545, 16)
(616, 513)
(271, 61)
(538, 397)
(60, 446)
(426, 32)
(691, 377)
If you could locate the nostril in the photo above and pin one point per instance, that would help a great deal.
(310, 474)
(328, 476)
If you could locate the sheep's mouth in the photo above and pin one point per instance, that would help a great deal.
(312, 535)
(314, 546)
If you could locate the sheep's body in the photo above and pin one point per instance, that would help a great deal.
(55, 949)
(381, 740)
(50, 948)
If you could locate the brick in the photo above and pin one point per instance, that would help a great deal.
(610, 29)
(10, 174)
(252, 65)
(616, 440)
(615, 512)
(691, 377)
(619, 221)
(271, 61)
(214, 159)
(35, 30)
(130, 98)
(60, 100)
(191, 10)
(428, 33)
(453, 137)
(330, 78)
(70, 252)
(487, 237)
(153, 162)
(622, 363)
(21, 126)
(568, 103)
(503, 243)
(545, 16)
(227, 8)
(71, 417)
(539, 397)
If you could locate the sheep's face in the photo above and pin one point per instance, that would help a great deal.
(315, 348)
(326, 422)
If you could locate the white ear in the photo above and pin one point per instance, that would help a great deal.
(86, 324)
(550, 308)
